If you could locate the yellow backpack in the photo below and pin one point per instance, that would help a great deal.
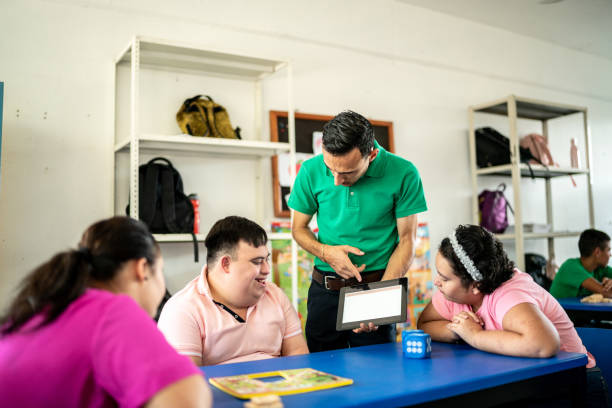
(201, 116)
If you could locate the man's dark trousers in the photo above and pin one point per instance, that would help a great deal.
(321, 331)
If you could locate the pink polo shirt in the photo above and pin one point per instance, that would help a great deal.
(195, 326)
(519, 289)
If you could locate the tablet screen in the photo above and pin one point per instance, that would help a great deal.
(379, 303)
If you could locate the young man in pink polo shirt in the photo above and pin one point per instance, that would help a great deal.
(231, 312)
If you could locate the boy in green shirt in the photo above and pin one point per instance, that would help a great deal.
(588, 274)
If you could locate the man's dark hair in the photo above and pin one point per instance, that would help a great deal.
(487, 253)
(591, 239)
(346, 131)
(225, 235)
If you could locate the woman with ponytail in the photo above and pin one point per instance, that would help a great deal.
(484, 300)
(80, 332)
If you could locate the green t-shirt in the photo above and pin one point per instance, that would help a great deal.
(362, 215)
(568, 281)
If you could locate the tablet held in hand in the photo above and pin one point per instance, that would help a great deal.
(378, 303)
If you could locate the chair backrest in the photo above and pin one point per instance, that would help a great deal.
(597, 341)
(167, 296)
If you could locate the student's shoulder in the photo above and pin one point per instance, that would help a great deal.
(570, 263)
(272, 289)
(102, 301)
(276, 293)
(117, 316)
(518, 280)
(189, 297)
(314, 165)
(520, 286)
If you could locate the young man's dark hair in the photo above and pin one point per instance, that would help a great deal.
(591, 239)
(227, 232)
(346, 131)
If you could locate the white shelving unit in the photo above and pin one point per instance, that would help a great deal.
(155, 54)
(515, 107)
(186, 143)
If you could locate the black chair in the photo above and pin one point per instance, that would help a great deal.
(535, 265)
(167, 296)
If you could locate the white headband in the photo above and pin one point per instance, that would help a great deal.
(467, 263)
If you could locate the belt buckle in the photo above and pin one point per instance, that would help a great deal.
(325, 278)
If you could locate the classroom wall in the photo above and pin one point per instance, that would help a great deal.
(385, 59)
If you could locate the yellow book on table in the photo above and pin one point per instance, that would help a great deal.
(291, 382)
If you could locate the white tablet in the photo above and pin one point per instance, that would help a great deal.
(379, 302)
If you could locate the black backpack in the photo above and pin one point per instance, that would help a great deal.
(535, 265)
(493, 148)
(163, 205)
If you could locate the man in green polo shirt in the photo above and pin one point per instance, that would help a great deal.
(588, 274)
(366, 200)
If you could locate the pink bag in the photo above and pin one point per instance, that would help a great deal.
(538, 147)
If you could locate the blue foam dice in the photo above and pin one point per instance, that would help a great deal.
(416, 344)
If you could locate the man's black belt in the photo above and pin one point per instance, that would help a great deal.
(333, 282)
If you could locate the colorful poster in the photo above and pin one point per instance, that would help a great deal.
(281, 269)
(420, 284)
(284, 176)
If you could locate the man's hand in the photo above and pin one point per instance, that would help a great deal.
(607, 284)
(337, 258)
(363, 328)
(466, 325)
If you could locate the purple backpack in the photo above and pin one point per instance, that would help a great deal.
(492, 206)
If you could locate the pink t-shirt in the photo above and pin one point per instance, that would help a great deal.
(103, 350)
(519, 289)
(196, 326)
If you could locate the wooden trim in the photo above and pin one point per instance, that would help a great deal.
(276, 188)
(298, 115)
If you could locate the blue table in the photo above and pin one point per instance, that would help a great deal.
(588, 314)
(455, 375)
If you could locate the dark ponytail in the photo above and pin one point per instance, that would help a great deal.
(54, 285)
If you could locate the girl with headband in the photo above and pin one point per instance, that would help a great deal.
(485, 301)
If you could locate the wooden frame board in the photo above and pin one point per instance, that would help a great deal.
(305, 125)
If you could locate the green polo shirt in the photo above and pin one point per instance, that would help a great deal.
(569, 278)
(363, 215)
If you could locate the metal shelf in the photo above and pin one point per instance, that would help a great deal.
(202, 237)
(171, 56)
(515, 107)
(157, 53)
(529, 108)
(540, 235)
(186, 143)
(178, 237)
(539, 171)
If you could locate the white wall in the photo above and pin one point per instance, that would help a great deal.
(391, 61)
